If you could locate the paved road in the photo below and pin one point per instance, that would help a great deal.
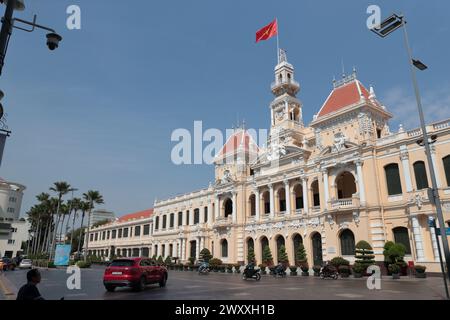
(184, 285)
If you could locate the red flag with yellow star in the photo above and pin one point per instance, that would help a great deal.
(267, 32)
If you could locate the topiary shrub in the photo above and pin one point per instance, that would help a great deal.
(263, 266)
(358, 270)
(214, 263)
(420, 271)
(300, 255)
(237, 268)
(251, 255)
(205, 255)
(267, 256)
(160, 260)
(364, 255)
(282, 255)
(305, 269)
(168, 261)
(394, 269)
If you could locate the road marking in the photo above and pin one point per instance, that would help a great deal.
(349, 295)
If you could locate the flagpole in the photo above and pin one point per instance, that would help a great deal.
(278, 42)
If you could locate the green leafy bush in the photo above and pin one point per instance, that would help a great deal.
(344, 270)
(339, 261)
(205, 255)
(282, 255)
(267, 256)
(364, 255)
(300, 255)
(83, 264)
(394, 268)
(359, 268)
(251, 255)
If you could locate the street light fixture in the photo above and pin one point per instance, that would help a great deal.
(388, 26)
(19, 5)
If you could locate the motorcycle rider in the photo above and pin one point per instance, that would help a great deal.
(250, 268)
(204, 266)
(279, 269)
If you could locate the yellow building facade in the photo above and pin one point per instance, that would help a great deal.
(343, 178)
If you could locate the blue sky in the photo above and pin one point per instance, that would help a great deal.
(99, 111)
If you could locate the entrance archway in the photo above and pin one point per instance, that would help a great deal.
(317, 248)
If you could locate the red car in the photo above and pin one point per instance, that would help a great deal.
(135, 273)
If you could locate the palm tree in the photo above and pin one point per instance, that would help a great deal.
(92, 197)
(75, 206)
(61, 188)
(84, 207)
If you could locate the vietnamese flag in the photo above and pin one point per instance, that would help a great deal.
(267, 32)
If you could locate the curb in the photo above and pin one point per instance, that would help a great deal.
(5, 287)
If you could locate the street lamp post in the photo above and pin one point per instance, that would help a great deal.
(387, 27)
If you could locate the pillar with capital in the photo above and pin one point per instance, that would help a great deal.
(210, 214)
(202, 214)
(234, 206)
(272, 201)
(359, 173)
(305, 194)
(216, 206)
(257, 203)
(326, 187)
(418, 239)
(404, 157)
(433, 160)
(175, 220)
(287, 192)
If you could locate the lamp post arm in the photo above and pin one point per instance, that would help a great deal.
(33, 24)
(426, 142)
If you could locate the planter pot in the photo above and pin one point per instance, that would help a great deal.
(229, 270)
(344, 275)
(263, 272)
(215, 270)
(357, 275)
(293, 273)
(395, 276)
(421, 275)
(316, 274)
(305, 274)
(238, 270)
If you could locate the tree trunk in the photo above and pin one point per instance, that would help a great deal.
(56, 228)
(73, 228)
(87, 232)
(81, 232)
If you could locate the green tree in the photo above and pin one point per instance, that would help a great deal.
(282, 255)
(364, 254)
(267, 256)
(84, 207)
(394, 253)
(61, 188)
(300, 255)
(251, 255)
(160, 260)
(168, 261)
(93, 198)
(205, 255)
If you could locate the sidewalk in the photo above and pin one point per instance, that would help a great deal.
(6, 289)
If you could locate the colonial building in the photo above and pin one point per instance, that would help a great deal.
(343, 178)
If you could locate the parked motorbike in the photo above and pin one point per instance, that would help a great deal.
(251, 274)
(329, 271)
(278, 271)
(203, 270)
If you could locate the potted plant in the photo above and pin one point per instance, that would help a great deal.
(214, 264)
(293, 270)
(237, 268)
(420, 271)
(394, 254)
(344, 271)
(205, 255)
(222, 268)
(358, 270)
(339, 261)
(316, 270)
(305, 269)
(229, 268)
(186, 267)
(300, 255)
(267, 258)
(394, 269)
(263, 266)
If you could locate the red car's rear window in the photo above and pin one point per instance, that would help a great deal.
(122, 263)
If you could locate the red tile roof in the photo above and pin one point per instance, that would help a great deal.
(138, 215)
(344, 96)
(240, 139)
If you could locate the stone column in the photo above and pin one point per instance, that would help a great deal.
(257, 204)
(202, 243)
(418, 239)
(272, 201)
(287, 193)
(361, 187)
(434, 162)
(326, 187)
(179, 249)
(191, 217)
(197, 250)
(202, 214)
(217, 206)
(305, 194)
(404, 157)
(184, 218)
(175, 220)
(183, 249)
(210, 214)
(234, 207)
(434, 243)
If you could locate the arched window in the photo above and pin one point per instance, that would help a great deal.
(401, 235)
(250, 246)
(252, 205)
(446, 162)
(297, 240)
(346, 185)
(224, 248)
(280, 242)
(164, 222)
(315, 192)
(196, 216)
(421, 175)
(282, 200)
(228, 206)
(266, 198)
(157, 223)
(347, 243)
(298, 197)
(393, 179)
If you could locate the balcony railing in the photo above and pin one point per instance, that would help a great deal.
(344, 203)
